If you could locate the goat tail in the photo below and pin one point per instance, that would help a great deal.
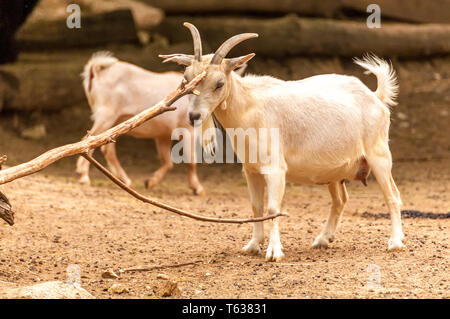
(387, 84)
(98, 62)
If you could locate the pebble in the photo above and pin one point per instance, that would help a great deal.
(109, 274)
(118, 289)
(162, 276)
(168, 289)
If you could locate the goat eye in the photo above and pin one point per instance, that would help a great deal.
(219, 85)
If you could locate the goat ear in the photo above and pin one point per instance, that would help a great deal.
(235, 63)
(182, 59)
(241, 70)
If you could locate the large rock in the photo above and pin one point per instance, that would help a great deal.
(322, 8)
(96, 30)
(51, 82)
(145, 16)
(46, 290)
(41, 85)
(430, 11)
(436, 11)
(290, 35)
(59, 85)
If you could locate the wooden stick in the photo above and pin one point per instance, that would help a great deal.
(108, 136)
(172, 209)
(159, 267)
(6, 212)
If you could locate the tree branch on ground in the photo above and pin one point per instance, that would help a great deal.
(109, 136)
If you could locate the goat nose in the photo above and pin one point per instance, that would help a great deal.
(193, 117)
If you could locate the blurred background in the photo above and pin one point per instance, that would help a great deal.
(42, 103)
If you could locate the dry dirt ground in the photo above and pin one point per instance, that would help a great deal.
(59, 222)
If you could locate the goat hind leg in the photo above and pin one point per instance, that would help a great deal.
(109, 152)
(381, 163)
(339, 197)
(82, 169)
(163, 146)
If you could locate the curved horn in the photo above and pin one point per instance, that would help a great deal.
(226, 47)
(197, 40)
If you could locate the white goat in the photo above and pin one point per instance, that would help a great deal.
(332, 128)
(118, 90)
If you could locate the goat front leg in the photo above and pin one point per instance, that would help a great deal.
(194, 183)
(163, 145)
(109, 152)
(339, 197)
(275, 192)
(101, 124)
(255, 183)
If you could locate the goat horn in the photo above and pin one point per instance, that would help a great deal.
(197, 40)
(226, 47)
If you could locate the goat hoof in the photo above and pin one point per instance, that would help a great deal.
(252, 248)
(199, 191)
(274, 253)
(395, 244)
(126, 181)
(321, 242)
(85, 180)
(150, 183)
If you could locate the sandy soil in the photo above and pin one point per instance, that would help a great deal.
(59, 223)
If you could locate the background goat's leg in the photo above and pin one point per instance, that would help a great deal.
(256, 183)
(380, 161)
(194, 183)
(83, 169)
(275, 191)
(109, 152)
(163, 145)
(101, 124)
(339, 197)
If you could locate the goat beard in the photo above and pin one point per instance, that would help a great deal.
(208, 135)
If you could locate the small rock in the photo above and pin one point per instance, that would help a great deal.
(109, 274)
(404, 124)
(36, 132)
(162, 276)
(168, 289)
(402, 116)
(118, 289)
